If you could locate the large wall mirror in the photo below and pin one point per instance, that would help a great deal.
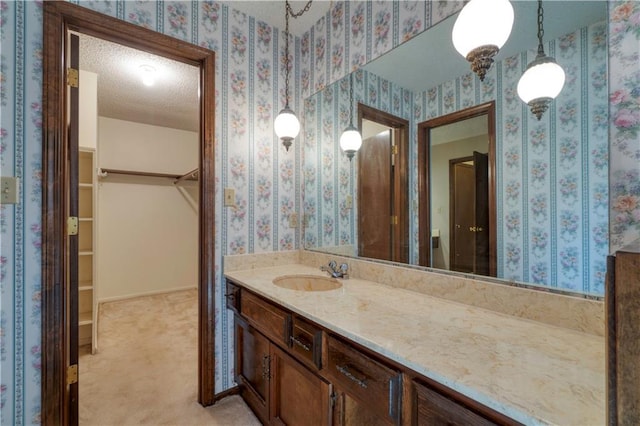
(550, 177)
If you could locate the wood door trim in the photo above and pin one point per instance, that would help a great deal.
(424, 195)
(60, 17)
(401, 182)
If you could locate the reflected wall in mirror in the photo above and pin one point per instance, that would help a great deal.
(457, 191)
(551, 176)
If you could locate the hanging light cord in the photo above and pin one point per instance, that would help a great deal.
(351, 99)
(540, 28)
(290, 12)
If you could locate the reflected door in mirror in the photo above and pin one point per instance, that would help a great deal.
(375, 192)
(469, 214)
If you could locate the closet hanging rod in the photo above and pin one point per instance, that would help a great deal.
(192, 175)
(105, 173)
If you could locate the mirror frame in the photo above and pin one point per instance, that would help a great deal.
(424, 194)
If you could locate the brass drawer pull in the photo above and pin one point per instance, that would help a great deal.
(344, 369)
(300, 343)
(266, 367)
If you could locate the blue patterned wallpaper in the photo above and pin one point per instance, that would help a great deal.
(248, 156)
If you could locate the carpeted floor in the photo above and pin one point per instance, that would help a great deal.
(145, 372)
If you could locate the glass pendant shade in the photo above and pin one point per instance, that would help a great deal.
(286, 126)
(481, 29)
(350, 141)
(541, 82)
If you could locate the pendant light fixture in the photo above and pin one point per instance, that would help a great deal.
(351, 139)
(480, 31)
(286, 124)
(543, 79)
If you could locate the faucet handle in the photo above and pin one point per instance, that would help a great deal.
(333, 265)
(344, 268)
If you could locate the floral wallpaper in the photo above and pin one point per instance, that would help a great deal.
(249, 159)
(552, 204)
(249, 82)
(624, 127)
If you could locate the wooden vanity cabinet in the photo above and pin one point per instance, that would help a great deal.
(291, 371)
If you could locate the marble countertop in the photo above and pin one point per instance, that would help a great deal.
(532, 372)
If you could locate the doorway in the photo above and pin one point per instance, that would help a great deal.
(59, 388)
(383, 211)
(457, 220)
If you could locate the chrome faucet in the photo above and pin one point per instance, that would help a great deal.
(335, 271)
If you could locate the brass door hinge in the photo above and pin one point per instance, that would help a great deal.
(72, 225)
(72, 374)
(73, 77)
(394, 220)
(394, 149)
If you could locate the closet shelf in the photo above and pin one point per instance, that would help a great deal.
(85, 185)
(85, 318)
(85, 253)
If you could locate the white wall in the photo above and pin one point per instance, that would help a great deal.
(440, 156)
(147, 227)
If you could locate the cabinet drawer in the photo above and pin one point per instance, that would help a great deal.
(266, 317)
(233, 297)
(306, 342)
(364, 379)
(433, 408)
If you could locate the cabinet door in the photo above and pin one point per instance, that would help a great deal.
(349, 412)
(252, 368)
(434, 409)
(298, 397)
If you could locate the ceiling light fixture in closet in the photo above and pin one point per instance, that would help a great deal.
(286, 124)
(148, 74)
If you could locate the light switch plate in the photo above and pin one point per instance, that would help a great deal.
(349, 202)
(229, 197)
(8, 190)
(293, 220)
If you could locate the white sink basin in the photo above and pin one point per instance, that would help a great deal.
(307, 282)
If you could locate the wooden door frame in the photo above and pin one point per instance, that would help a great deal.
(59, 18)
(424, 195)
(400, 239)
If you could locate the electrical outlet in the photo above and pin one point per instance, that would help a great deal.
(293, 220)
(349, 202)
(9, 190)
(229, 197)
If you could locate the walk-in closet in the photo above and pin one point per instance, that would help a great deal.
(138, 228)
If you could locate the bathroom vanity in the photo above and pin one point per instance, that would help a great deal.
(367, 353)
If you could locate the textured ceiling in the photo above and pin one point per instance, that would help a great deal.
(171, 102)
